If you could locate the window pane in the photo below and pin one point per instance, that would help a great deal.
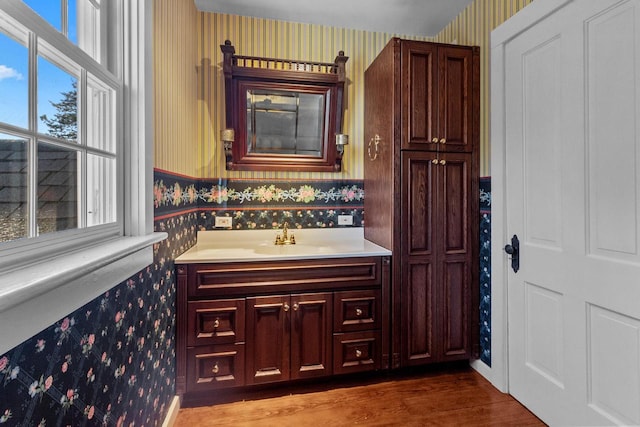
(57, 188)
(14, 89)
(101, 190)
(100, 115)
(49, 10)
(13, 188)
(72, 15)
(57, 101)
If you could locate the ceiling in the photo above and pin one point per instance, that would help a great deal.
(401, 17)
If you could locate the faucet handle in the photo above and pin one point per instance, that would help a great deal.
(292, 239)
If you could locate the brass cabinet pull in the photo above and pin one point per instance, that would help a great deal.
(358, 353)
(286, 307)
(434, 161)
(434, 140)
(296, 307)
(443, 162)
(216, 323)
(358, 312)
(215, 369)
(443, 141)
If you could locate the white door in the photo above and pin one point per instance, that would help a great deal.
(572, 180)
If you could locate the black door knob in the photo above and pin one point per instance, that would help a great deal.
(514, 250)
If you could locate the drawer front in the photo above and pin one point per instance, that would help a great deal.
(356, 352)
(356, 310)
(214, 367)
(253, 279)
(215, 322)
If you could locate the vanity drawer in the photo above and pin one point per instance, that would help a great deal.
(214, 367)
(356, 310)
(263, 278)
(215, 322)
(356, 352)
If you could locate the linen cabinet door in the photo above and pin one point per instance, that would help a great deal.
(419, 96)
(419, 245)
(311, 331)
(455, 256)
(268, 339)
(457, 98)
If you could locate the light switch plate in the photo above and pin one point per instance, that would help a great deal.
(224, 222)
(345, 219)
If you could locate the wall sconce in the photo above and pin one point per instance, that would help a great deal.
(341, 140)
(228, 136)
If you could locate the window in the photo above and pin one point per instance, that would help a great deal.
(61, 138)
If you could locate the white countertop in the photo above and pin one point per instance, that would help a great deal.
(258, 245)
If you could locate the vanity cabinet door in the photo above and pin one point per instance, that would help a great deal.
(311, 318)
(268, 339)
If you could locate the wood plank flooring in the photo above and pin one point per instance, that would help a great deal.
(453, 397)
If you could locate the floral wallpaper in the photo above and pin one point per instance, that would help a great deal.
(109, 363)
(256, 204)
(485, 270)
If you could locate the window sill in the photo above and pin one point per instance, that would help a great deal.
(34, 297)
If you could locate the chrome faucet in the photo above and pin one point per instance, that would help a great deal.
(286, 238)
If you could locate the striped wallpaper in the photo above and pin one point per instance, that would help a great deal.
(174, 85)
(278, 39)
(187, 61)
(473, 27)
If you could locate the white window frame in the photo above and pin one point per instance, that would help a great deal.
(45, 278)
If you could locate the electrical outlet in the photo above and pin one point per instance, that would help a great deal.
(345, 219)
(224, 222)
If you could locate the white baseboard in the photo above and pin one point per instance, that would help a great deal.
(172, 413)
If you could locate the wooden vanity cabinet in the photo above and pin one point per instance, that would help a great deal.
(421, 174)
(248, 323)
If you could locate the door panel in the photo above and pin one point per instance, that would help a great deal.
(455, 310)
(454, 189)
(268, 332)
(612, 134)
(418, 313)
(311, 335)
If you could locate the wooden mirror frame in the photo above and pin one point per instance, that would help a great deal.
(243, 73)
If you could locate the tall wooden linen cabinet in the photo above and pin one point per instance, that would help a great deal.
(422, 198)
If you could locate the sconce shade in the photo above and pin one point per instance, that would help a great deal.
(342, 139)
(227, 135)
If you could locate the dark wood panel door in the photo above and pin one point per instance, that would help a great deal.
(419, 243)
(311, 321)
(268, 339)
(454, 255)
(437, 257)
(419, 96)
(455, 98)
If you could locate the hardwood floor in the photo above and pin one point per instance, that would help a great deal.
(455, 397)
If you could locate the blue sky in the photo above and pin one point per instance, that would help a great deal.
(14, 71)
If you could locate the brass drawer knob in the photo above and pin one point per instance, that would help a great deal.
(358, 312)
(216, 323)
(296, 307)
(286, 307)
(358, 353)
(215, 369)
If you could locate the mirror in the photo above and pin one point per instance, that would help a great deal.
(285, 122)
(284, 114)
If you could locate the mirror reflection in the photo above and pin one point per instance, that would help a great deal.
(285, 122)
